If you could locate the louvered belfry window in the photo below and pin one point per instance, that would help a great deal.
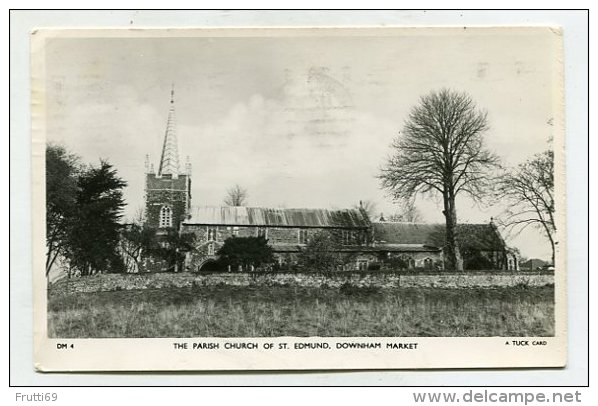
(165, 217)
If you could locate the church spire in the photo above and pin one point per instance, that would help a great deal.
(169, 161)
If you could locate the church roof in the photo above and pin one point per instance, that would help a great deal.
(483, 237)
(406, 233)
(273, 217)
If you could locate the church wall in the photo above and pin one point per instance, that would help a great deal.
(277, 236)
(285, 242)
(280, 237)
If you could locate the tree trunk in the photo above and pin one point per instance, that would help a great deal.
(549, 236)
(553, 250)
(452, 254)
(55, 255)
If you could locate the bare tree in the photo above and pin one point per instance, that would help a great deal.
(135, 236)
(529, 190)
(236, 196)
(408, 213)
(441, 151)
(368, 207)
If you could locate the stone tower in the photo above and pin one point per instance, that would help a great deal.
(168, 192)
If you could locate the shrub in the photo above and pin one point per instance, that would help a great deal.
(244, 252)
(397, 263)
(320, 254)
(474, 260)
(374, 267)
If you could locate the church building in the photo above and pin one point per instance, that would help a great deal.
(368, 244)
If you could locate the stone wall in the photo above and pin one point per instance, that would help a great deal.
(112, 282)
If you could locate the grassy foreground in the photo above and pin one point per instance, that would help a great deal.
(228, 311)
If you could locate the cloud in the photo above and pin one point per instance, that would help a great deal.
(284, 148)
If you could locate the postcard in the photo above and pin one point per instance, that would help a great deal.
(298, 198)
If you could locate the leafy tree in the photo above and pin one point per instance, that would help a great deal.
(321, 254)
(236, 196)
(94, 234)
(441, 151)
(398, 263)
(529, 189)
(474, 260)
(245, 252)
(61, 190)
(171, 247)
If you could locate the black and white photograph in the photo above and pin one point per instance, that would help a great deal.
(299, 198)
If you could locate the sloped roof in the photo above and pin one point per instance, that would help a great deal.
(406, 233)
(260, 216)
(483, 237)
(480, 236)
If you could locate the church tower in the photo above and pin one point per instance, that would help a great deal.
(168, 192)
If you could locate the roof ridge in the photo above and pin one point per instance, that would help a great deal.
(406, 222)
(273, 208)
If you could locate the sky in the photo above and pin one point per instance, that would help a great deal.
(298, 120)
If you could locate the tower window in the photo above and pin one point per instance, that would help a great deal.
(211, 249)
(165, 217)
(212, 234)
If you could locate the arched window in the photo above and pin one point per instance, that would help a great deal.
(428, 263)
(165, 217)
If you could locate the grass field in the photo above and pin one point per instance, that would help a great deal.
(228, 311)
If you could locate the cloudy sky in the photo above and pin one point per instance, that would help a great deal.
(299, 121)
